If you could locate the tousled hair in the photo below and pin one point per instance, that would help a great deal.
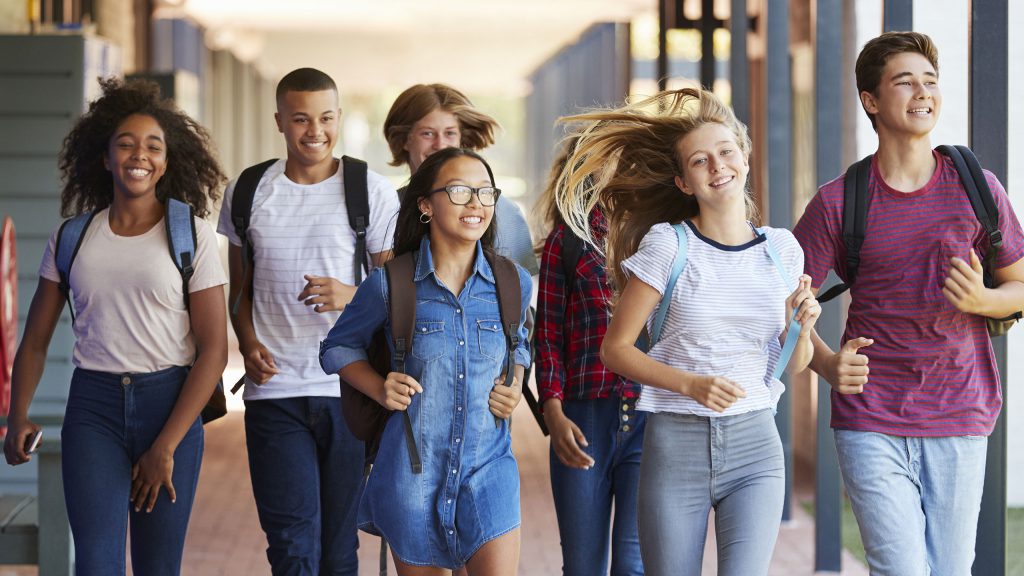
(625, 162)
(876, 53)
(477, 129)
(304, 80)
(409, 230)
(193, 174)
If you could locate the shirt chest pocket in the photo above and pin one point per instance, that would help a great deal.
(490, 339)
(428, 341)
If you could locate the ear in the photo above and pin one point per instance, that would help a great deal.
(106, 161)
(683, 186)
(424, 205)
(277, 120)
(868, 101)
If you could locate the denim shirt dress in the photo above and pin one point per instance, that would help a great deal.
(468, 491)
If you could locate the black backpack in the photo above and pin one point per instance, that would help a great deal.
(855, 215)
(357, 204)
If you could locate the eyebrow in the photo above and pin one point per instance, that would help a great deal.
(902, 74)
(129, 134)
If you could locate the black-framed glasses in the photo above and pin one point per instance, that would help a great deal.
(460, 194)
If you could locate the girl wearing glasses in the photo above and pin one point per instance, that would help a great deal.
(709, 386)
(462, 509)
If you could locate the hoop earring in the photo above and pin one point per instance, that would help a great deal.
(422, 221)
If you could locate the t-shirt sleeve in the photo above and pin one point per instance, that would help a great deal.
(209, 271)
(791, 254)
(817, 236)
(380, 234)
(48, 267)
(224, 224)
(1009, 225)
(652, 262)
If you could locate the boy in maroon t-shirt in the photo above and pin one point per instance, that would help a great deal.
(912, 438)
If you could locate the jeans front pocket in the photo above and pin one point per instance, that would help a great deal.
(428, 340)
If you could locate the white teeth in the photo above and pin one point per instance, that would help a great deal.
(472, 219)
(921, 111)
(315, 144)
(138, 173)
(722, 181)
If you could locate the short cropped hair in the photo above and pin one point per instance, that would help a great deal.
(305, 80)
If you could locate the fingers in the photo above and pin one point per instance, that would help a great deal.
(854, 344)
(259, 365)
(719, 393)
(567, 447)
(503, 399)
(315, 285)
(399, 389)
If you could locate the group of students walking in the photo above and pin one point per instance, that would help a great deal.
(665, 317)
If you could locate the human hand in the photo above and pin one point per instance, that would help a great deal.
(19, 433)
(326, 294)
(153, 470)
(504, 399)
(847, 369)
(567, 440)
(807, 307)
(715, 392)
(965, 285)
(398, 391)
(259, 364)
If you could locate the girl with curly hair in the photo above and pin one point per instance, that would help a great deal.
(671, 171)
(146, 362)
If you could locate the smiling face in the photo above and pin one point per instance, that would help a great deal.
(907, 100)
(136, 156)
(433, 132)
(309, 122)
(714, 166)
(452, 224)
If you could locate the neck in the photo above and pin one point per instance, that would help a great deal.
(453, 262)
(303, 174)
(134, 216)
(724, 224)
(906, 164)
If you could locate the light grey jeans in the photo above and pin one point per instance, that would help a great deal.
(691, 464)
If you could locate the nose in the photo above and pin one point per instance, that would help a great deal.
(436, 144)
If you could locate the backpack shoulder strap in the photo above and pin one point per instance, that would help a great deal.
(666, 299)
(510, 308)
(402, 306)
(855, 219)
(573, 248)
(794, 327)
(69, 241)
(357, 203)
(241, 213)
(181, 238)
(978, 192)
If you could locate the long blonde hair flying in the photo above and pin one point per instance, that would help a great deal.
(625, 160)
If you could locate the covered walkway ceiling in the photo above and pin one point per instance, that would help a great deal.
(481, 46)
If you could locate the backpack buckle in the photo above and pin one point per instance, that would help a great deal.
(995, 239)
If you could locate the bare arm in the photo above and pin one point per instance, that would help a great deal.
(965, 288)
(620, 354)
(43, 314)
(259, 363)
(209, 326)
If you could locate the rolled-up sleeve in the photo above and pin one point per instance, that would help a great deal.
(526, 285)
(363, 316)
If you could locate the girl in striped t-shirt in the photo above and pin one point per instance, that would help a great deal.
(682, 157)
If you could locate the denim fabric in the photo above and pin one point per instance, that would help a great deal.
(692, 464)
(584, 498)
(916, 499)
(306, 469)
(110, 422)
(468, 491)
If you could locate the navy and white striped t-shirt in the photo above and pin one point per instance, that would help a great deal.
(727, 312)
(932, 368)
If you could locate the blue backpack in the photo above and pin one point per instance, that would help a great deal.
(181, 238)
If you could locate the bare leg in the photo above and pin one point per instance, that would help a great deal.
(499, 557)
(407, 570)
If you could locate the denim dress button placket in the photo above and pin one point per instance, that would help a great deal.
(459, 422)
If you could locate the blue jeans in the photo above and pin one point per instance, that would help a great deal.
(916, 499)
(111, 420)
(584, 498)
(692, 464)
(306, 470)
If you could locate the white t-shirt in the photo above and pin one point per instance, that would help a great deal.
(727, 312)
(130, 314)
(298, 229)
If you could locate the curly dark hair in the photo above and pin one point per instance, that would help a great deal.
(409, 230)
(193, 174)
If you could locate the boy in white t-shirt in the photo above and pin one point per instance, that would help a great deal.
(305, 464)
